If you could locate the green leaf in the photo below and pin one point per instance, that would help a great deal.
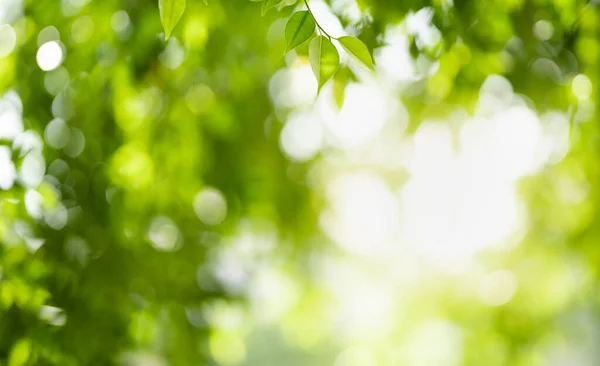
(286, 3)
(356, 48)
(170, 13)
(268, 5)
(340, 80)
(299, 29)
(324, 59)
(205, 2)
(20, 352)
(339, 92)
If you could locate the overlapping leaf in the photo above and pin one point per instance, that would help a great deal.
(324, 59)
(357, 49)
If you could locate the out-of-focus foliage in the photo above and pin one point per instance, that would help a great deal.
(182, 196)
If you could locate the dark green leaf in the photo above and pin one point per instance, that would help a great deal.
(299, 29)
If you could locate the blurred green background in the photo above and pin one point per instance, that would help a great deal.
(194, 202)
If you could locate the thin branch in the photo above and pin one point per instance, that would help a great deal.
(316, 22)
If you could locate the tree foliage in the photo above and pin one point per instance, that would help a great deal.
(152, 211)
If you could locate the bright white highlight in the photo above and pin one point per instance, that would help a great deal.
(363, 213)
(8, 172)
(367, 108)
(460, 197)
(49, 56)
(302, 136)
(11, 122)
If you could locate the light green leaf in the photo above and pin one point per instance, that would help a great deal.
(356, 48)
(339, 92)
(268, 5)
(20, 352)
(299, 29)
(340, 80)
(170, 13)
(286, 3)
(324, 59)
(205, 2)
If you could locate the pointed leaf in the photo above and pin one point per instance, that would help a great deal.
(299, 29)
(268, 5)
(339, 92)
(356, 48)
(324, 59)
(170, 13)
(340, 80)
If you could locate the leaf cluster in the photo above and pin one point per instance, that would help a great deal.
(301, 27)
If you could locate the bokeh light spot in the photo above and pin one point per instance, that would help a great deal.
(582, 86)
(498, 288)
(164, 234)
(120, 21)
(210, 206)
(8, 40)
(56, 133)
(56, 80)
(8, 172)
(32, 170)
(543, 30)
(49, 33)
(76, 143)
(49, 56)
(82, 29)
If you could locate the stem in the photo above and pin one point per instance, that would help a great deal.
(317, 23)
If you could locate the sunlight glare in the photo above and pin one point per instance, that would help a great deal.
(49, 56)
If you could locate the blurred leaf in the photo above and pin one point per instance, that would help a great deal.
(358, 50)
(299, 29)
(339, 91)
(268, 5)
(170, 13)
(340, 80)
(286, 3)
(324, 59)
(19, 354)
